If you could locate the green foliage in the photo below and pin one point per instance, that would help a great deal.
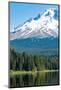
(31, 62)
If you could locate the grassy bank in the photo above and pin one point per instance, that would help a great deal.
(30, 72)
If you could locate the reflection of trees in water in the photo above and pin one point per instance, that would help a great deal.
(38, 79)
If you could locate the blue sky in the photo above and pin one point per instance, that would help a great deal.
(20, 12)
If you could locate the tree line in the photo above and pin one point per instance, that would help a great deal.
(30, 62)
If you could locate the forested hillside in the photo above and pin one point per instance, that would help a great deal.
(31, 62)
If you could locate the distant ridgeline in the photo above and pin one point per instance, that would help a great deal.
(45, 46)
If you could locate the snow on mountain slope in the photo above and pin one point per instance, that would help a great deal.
(42, 26)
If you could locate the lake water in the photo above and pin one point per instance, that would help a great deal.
(37, 79)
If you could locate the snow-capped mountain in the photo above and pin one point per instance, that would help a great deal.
(42, 26)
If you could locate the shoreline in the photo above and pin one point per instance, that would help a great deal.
(30, 72)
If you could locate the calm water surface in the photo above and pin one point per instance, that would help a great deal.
(37, 79)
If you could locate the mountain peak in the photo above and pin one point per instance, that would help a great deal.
(42, 26)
